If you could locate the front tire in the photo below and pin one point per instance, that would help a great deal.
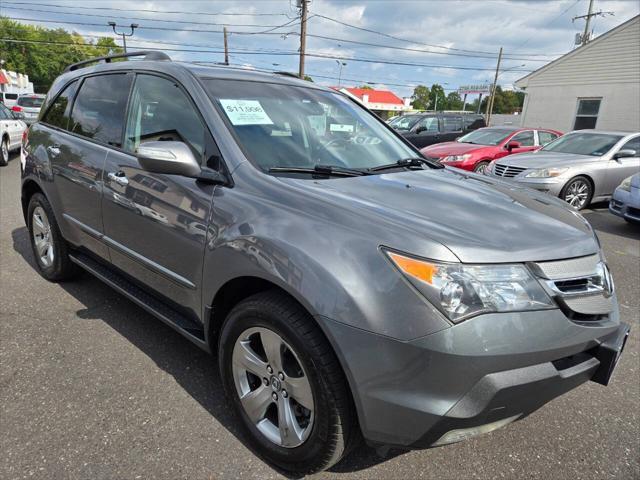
(286, 384)
(4, 153)
(577, 192)
(481, 167)
(50, 249)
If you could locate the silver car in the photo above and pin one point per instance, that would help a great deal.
(29, 104)
(580, 167)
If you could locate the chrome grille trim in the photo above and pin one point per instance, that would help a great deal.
(567, 269)
(508, 171)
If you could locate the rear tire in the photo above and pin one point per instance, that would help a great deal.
(50, 249)
(577, 192)
(318, 436)
(4, 153)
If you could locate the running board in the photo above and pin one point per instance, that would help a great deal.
(151, 304)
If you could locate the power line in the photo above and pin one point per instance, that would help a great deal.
(548, 23)
(315, 55)
(143, 10)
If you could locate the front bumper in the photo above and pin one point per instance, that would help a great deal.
(487, 369)
(626, 204)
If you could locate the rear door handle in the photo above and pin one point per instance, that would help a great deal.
(119, 177)
(54, 150)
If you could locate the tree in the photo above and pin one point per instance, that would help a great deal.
(454, 102)
(49, 52)
(420, 97)
(365, 87)
(308, 78)
(437, 98)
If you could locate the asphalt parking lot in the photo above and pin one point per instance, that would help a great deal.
(91, 386)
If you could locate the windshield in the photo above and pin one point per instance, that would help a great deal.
(284, 126)
(30, 102)
(486, 136)
(583, 143)
(405, 122)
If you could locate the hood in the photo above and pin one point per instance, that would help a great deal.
(451, 148)
(479, 219)
(542, 159)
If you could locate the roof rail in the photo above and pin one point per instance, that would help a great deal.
(287, 74)
(147, 54)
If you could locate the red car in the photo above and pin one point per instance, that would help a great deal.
(477, 149)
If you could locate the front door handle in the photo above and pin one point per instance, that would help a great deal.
(54, 150)
(119, 177)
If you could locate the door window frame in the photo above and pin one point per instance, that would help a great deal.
(513, 138)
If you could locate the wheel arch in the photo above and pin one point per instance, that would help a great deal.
(587, 177)
(29, 188)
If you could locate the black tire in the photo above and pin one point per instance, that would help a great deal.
(61, 267)
(4, 153)
(582, 181)
(481, 166)
(334, 429)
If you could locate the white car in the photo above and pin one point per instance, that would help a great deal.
(11, 130)
(29, 104)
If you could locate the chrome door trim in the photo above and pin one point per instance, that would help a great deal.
(150, 264)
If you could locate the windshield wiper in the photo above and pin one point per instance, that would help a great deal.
(407, 162)
(329, 170)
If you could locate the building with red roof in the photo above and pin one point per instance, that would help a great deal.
(383, 102)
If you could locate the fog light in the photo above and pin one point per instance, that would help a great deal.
(460, 434)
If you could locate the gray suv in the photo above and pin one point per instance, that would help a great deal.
(348, 286)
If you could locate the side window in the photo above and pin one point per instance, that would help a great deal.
(633, 144)
(58, 113)
(546, 137)
(452, 124)
(4, 115)
(160, 110)
(525, 139)
(428, 124)
(98, 111)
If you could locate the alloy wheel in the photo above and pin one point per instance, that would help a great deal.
(274, 390)
(577, 194)
(5, 151)
(42, 237)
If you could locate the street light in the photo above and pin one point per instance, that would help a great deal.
(133, 26)
(341, 64)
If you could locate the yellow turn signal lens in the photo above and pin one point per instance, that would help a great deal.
(416, 268)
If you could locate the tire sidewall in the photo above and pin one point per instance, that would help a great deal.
(484, 163)
(311, 450)
(4, 160)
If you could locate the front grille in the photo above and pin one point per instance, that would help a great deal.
(635, 212)
(572, 268)
(507, 170)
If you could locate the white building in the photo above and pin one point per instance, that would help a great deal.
(595, 86)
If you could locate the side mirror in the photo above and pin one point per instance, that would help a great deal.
(626, 153)
(173, 158)
(512, 145)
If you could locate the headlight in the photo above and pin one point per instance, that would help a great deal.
(626, 184)
(462, 291)
(546, 173)
(457, 158)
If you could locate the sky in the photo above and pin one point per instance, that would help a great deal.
(392, 44)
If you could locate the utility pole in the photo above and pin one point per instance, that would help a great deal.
(303, 35)
(226, 47)
(493, 90)
(133, 26)
(341, 64)
(586, 36)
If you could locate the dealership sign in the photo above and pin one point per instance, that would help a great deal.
(471, 89)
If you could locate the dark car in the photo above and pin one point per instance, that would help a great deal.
(426, 129)
(287, 229)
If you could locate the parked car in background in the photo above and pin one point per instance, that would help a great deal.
(580, 167)
(409, 323)
(29, 104)
(475, 150)
(426, 129)
(11, 130)
(8, 99)
(626, 199)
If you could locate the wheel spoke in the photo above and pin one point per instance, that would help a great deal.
(290, 431)
(300, 389)
(244, 357)
(272, 344)
(38, 224)
(255, 403)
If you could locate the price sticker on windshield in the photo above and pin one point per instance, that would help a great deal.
(245, 112)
